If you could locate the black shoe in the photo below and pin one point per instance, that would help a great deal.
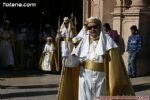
(130, 76)
(133, 76)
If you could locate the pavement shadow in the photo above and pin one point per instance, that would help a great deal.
(28, 94)
(2, 79)
(23, 73)
(29, 87)
(141, 87)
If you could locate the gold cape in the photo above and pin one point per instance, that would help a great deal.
(117, 80)
(53, 62)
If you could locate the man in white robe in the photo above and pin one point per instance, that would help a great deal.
(66, 34)
(46, 63)
(102, 71)
(6, 45)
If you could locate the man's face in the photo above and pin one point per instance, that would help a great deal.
(66, 24)
(106, 29)
(49, 41)
(94, 29)
(132, 31)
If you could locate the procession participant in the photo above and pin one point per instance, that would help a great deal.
(102, 71)
(65, 34)
(48, 61)
(7, 41)
(112, 33)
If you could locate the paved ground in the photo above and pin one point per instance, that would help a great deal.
(34, 85)
(28, 85)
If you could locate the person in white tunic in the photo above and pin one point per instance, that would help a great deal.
(46, 59)
(66, 33)
(81, 34)
(102, 71)
(6, 45)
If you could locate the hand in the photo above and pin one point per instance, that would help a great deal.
(58, 35)
(43, 52)
(137, 53)
(58, 31)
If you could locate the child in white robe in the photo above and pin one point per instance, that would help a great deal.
(47, 55)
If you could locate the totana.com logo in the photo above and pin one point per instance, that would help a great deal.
(10, 4)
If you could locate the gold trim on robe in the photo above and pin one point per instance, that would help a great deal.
(52, 61)
(68, 87)
(117, 80)
(41, 62)
(93, 66)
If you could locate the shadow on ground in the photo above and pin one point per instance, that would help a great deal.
(29, 87)
(141, 87)
(22, 73)
(28, 94)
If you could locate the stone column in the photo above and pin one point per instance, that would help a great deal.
(86, 9)
(118, 3)
(118, 16)
(95, 7)
(138, 4)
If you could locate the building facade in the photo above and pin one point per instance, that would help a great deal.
(122, 14)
